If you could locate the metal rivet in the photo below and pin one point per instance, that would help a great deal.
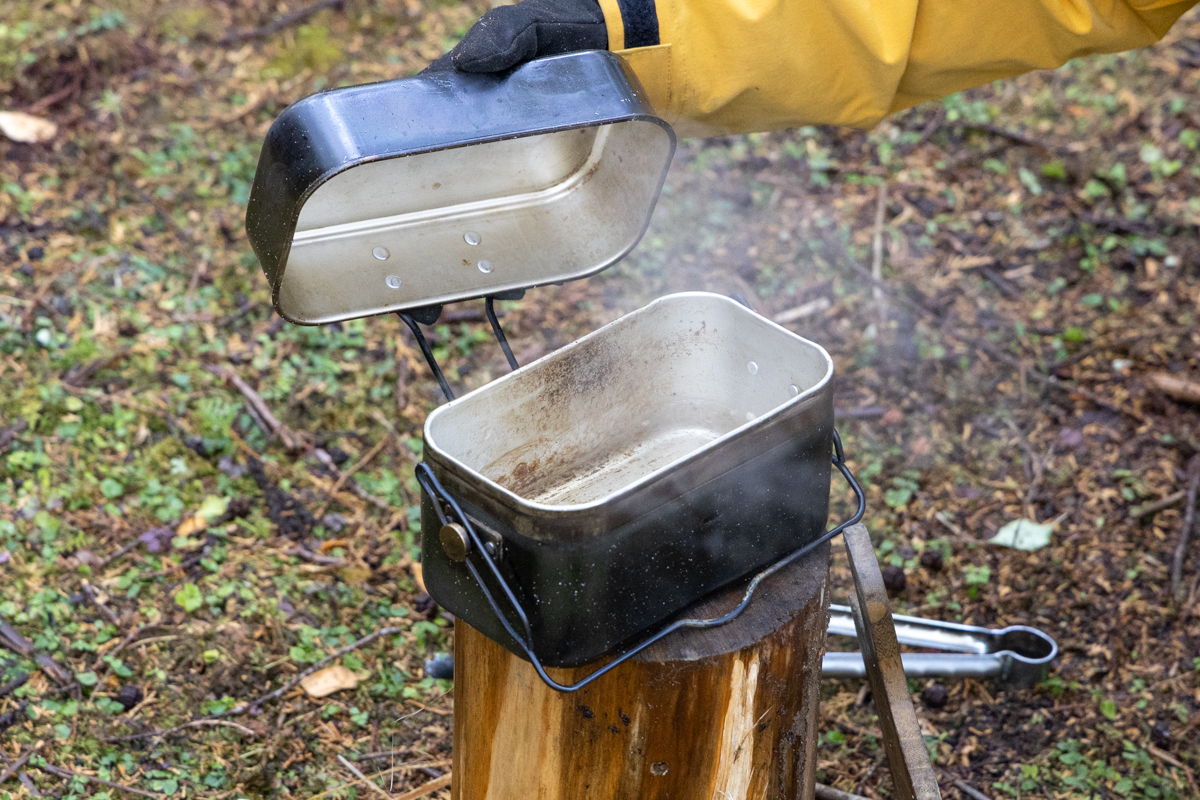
(454, 541)
(392, 281)
(472, 238)
(752, 368)
(659, 768)
(485, 266)
(381, 253)
(794, 389)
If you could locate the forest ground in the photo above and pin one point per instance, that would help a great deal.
(1027, 352)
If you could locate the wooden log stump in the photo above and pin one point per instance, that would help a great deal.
(723, 714)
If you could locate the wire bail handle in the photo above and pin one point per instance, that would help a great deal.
(450, 513)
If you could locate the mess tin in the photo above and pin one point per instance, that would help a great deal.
(448, 186)
(598, 491)
(630, 473)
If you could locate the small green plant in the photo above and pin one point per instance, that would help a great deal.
(1030, 181)
(977, 577)
(189, 597)
(902, 491)
(308, 649)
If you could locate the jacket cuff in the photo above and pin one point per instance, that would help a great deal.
(630, 23)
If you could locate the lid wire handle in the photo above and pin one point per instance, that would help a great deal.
(489, 306)
(425, 351)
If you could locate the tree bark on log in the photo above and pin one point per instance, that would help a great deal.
(723, 714)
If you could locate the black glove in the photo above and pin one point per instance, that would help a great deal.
(511, 35)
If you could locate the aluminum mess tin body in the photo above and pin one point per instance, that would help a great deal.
(634, 471)
(448, 186)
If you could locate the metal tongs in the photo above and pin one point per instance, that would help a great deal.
(1017, 655)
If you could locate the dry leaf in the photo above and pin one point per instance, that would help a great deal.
(21, 127)
(329, 680)
(212, 508)
(970, 262)
(193, 524)
(419, 576)
(1174, 386)
(1024, 534)
(104, 324)
(354, 575)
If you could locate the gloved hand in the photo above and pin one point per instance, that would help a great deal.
(510, 35)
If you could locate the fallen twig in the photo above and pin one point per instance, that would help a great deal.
(10, 638)
(128, 640)
(327, 461)
(934, 122)
(1189, 518)
(12, 432)
(1175, 387)
(56, 671)
(366, 459)
(379, 417)
(252, 103)
(1048, 380)
(829, 793)
(10, 718)
(1000, 282)
(79, 375)
(803, 310)
(442, 711)
(388, 771)
(1037, 466)
(1039, 474)
(125, 548)
(61, 772)
(281, 691)
(1158, 505)
(13, 640)
(1014, 136)
(276, 25)
(16, 766)
(71, 88)
(308, 555)
(1092, 349)
(425, 788)
(963, 786)
(254, 399)
(14, 684)
(1163, 755)
(28, 784)
(94, 598)
(363, 778)
(941, 517)
(1118, 224)
(242, 311)
(273, 427)
(199, 723)
(382, 755)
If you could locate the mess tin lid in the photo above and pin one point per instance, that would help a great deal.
(448, 186)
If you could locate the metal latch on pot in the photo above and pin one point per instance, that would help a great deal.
(457, 542)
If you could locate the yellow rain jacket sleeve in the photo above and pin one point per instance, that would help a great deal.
(732, 66)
